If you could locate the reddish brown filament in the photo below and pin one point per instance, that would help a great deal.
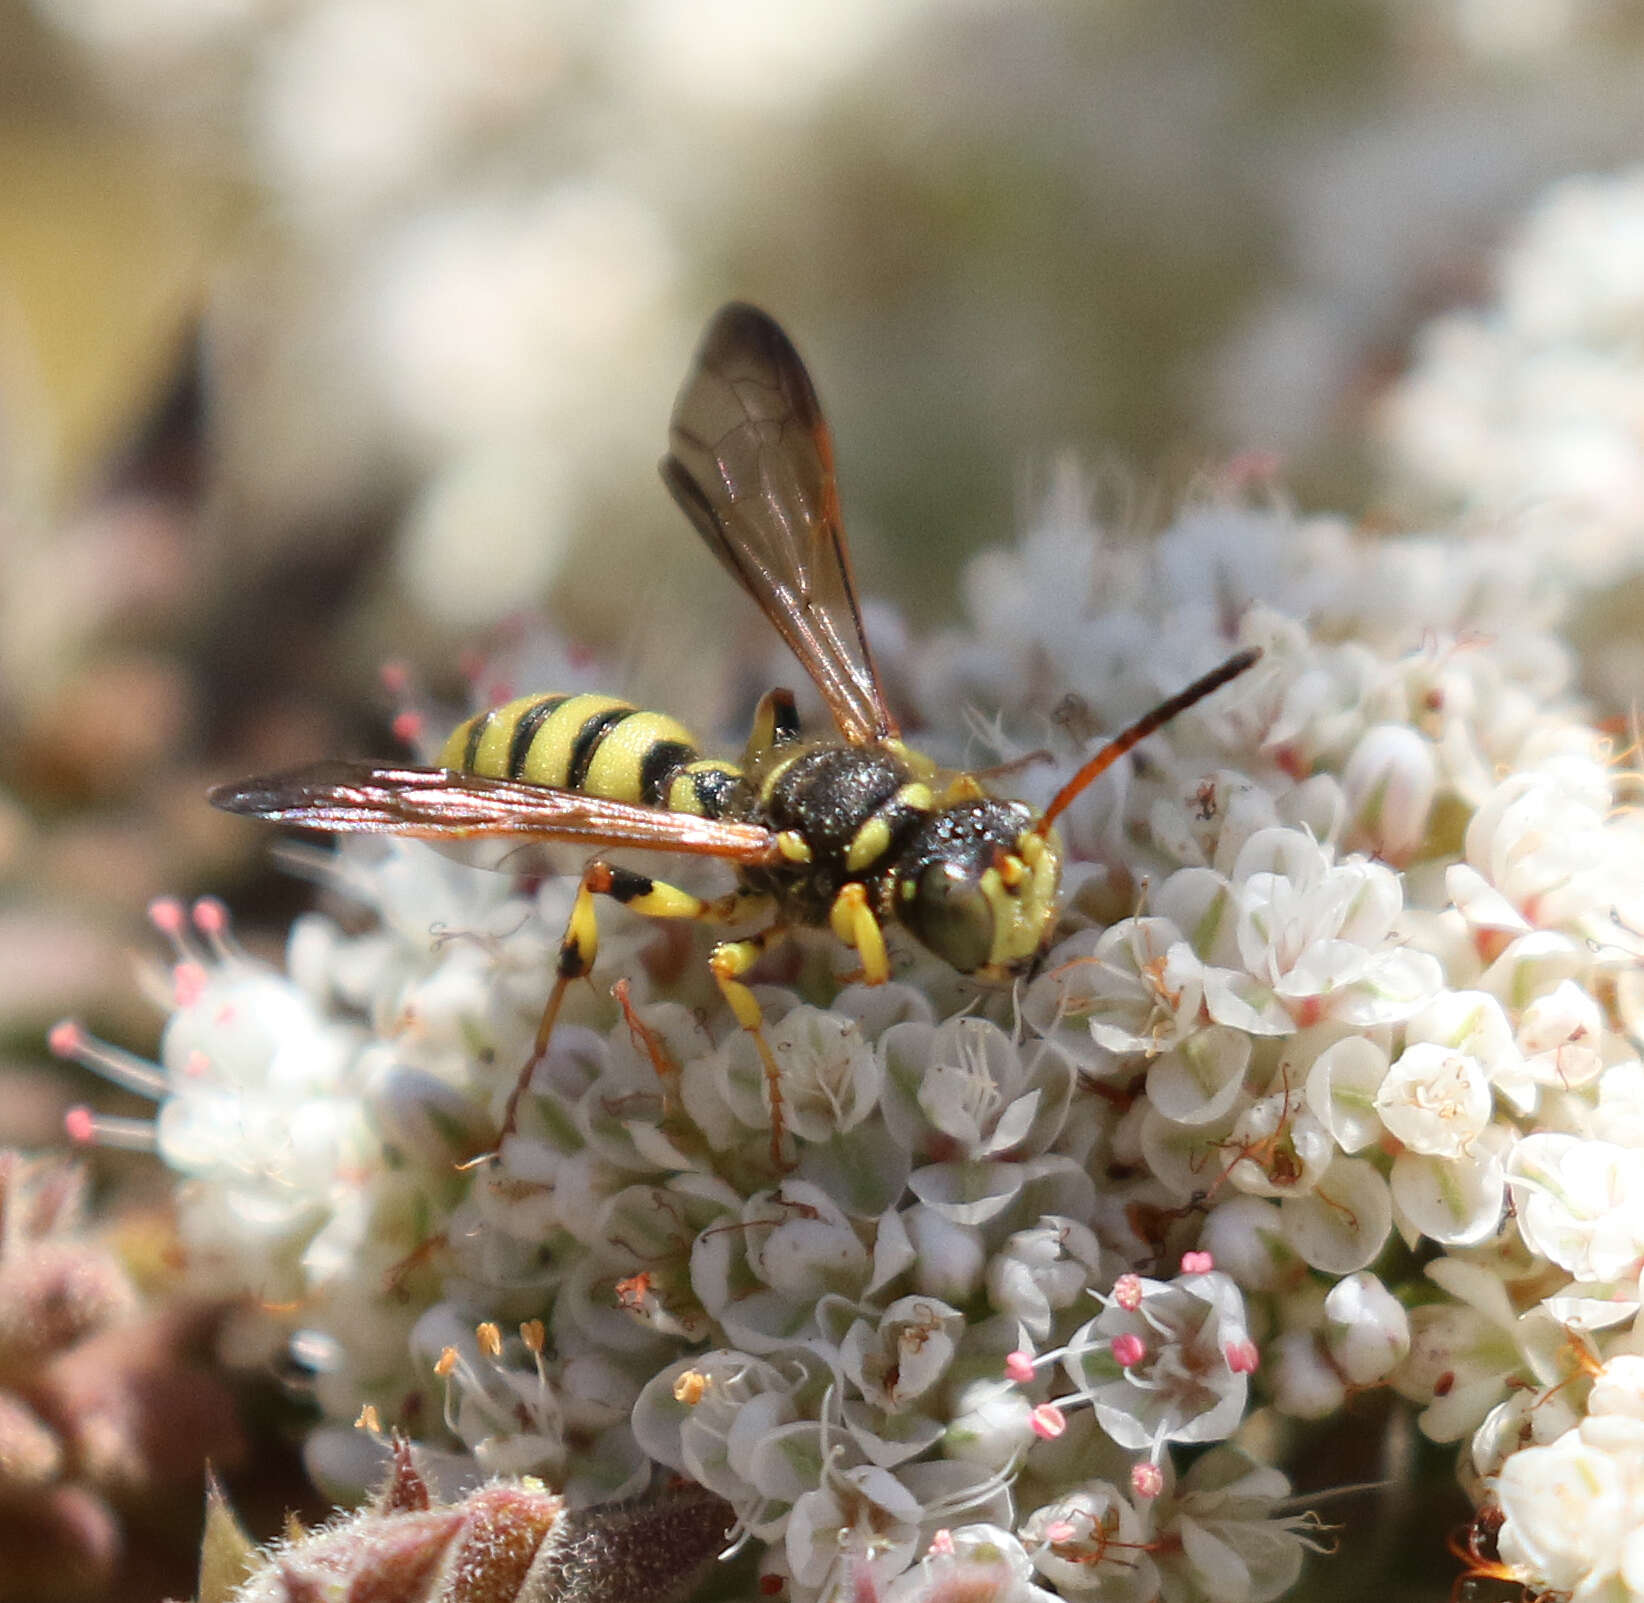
(1142, 728)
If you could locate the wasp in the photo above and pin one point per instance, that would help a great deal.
(853, 832)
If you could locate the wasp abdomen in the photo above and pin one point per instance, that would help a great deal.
(598, 745)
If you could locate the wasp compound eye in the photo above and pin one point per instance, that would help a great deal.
(949, 913)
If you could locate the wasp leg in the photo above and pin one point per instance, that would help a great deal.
(776, 723)
(729, 961)
(853, 921)
(579, 945)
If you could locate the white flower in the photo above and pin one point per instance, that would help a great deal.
(1136, 987)
(1560, 1035)
(1222, 1535)
(898, 1358)
(985, 1563)
(1246, 1237)
(968, 1096)
(1342, 1087)
(1574, 1512)
(1317, 933)
(1465, 1353)
(1342, 1223)
(1277, 1148)
(1454, 1200)
(1092, 1542)
(704, 1416)
(949, 1258)
(865, 1519)
(1306, 1383)
(830, 1076)
(1531, 401)
(761, 1276)
(1042, 1270)
(1580, 1203)
(1435, 1100)
(1540, 840)
(1189, 1379)
(1199, 1080)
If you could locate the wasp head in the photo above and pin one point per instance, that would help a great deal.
(977, 885)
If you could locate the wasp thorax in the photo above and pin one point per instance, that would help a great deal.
(977, 885)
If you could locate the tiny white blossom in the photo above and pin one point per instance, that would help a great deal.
(899, 1357)
(1434, 1099)
(1580, 1203)
(983, 1563)
(1224, 1532)
(1190, 1379)
(1390, 782)
(1367, 1328)
(1092, 1542)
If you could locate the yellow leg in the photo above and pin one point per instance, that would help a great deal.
(853, 921)
(729, 961)
(579, 945)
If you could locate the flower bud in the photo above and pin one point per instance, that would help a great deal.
(1367, 1329)
(1390, 780)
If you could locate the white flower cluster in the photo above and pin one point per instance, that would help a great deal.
(1348, 973)
(1534, 399)
(1528, 407)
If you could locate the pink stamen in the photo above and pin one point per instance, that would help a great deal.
(408, 726)
(211, 920)
(1128, 1292)
(942, 1544)
(170, 918)
(395, 677)
(1059, 1531)
(68, 1039)
(1146, 1480)
(86, 1128)
(1047, 1422)
(1019, 1367)
(1197, 1263)
(1129, 1349)
(165, 913)
(1242, 1356)
(210, 917)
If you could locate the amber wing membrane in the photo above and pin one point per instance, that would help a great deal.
(442, 804)
(752, 467)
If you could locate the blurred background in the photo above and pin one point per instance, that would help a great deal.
(341, 333)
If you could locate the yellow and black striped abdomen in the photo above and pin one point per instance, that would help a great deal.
(598, 745)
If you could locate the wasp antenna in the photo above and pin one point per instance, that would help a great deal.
(1142, 728)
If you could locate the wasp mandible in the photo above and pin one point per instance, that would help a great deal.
(853, 832)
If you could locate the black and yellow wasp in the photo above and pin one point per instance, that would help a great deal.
(855, 832)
